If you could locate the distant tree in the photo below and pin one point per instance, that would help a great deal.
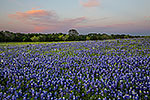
(99, 36)
(87, 38)
(19, 37)
(60, 36)
(65, 37)
(56, 37)
(26, 38)
(2, 39)
(42, 38)
(105, 36)
(126, 36)
(73, 35)
(82, 37)
(113, 36)
(35, 38)
(73, 32)
(93, 36)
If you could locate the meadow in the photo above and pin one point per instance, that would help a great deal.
(87, 70)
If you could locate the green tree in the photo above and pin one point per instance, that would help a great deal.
(73, 32)
(93, 36)
(35, 38)
(65, 37)
(60, 37)
(87, 38)
(42, 38)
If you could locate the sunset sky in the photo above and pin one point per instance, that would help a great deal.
(47, 16)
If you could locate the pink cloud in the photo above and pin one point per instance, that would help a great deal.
(33, 15)
(40, 28)
(43, 20)
(90, 3)
(147, 16)
(114, 27)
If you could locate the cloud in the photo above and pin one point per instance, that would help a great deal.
(44, 21)
(132, 27)
(49, 21)
(147, 16)
(90, 3)
(124, 27)
(34, 15)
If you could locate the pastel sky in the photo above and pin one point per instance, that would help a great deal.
(47, 16)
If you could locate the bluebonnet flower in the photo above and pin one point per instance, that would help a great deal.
(75, 70)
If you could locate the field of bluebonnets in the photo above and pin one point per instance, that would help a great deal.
(102, 70)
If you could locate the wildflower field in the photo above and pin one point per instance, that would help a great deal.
(89, 70)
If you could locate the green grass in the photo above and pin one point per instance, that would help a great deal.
(25, 43)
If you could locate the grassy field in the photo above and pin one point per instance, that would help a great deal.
(26, 43)
(85, 70)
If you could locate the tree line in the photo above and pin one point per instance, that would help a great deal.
(73, 35)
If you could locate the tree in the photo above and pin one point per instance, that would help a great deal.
(25, 39)
(2, 39)
(87, 38)
(65, 37)
(105, 36)
(82, 37)
(73, 35)
(35, 38)
(73, 32)
(93, 36)
(42, 38)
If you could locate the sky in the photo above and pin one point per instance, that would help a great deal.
(87, 16)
